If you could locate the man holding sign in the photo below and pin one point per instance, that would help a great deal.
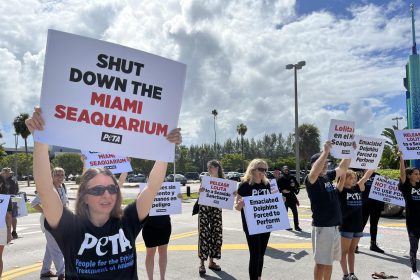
(326, 212)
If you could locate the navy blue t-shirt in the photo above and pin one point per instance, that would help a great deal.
(325, 203)
(412, 204)
(351, 209)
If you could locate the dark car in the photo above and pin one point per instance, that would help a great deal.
(139, 178)
(192, 176)
(302, 175)
(178, 178)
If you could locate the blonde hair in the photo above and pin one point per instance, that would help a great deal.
(252, 166)
(57, 170)
(351, 173)
(82, 208)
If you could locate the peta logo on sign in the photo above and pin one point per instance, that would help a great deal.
(111, 138)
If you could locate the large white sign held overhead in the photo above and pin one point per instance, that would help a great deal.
(100, 96)
(368, 152)
(341, 136)
(409, 142)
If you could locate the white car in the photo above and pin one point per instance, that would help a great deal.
(204, 174)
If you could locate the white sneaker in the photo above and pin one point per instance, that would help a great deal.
(415, 276)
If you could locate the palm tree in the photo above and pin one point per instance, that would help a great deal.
(214, 113)
(241, 129)
(392, 143)
(23, 131)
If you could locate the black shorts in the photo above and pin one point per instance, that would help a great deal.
(157, 234)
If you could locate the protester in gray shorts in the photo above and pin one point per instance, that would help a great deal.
(326, 212)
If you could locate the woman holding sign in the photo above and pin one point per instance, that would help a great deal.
(352, 227)
(98, 241)
(254, 183)
(410, 188)
(210, 231)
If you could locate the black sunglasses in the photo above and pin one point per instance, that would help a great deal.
(100, 190)
(264, 170)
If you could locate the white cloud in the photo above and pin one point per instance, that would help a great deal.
(236, 52)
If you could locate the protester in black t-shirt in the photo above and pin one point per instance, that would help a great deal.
(410, 188)
(372, 210)
(289, 187)
(98, 241)
(352, 227)
(254, 183)
(326, 212)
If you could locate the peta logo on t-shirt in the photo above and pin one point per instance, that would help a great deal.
(260, 192)
(415, 194)
(354, 199)
(329, 187)
(119, 243)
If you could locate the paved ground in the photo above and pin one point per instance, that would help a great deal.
(289, 255)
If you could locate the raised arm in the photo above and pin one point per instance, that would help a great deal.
(364, 179)
(52, 206)
(319, 164)
(403, 176)
(157, 175)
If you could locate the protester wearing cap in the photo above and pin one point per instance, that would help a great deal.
(326, 212)
(12, 188)
(289, 187)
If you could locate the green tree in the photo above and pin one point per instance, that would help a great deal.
(232, 162)
(389, 157)
(23, 131)
(25, 164)
(70, 162)
(309, 142)
(241, 129)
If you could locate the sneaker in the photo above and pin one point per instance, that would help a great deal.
(297, 228)
(346, 277)
(14, 235)
(48, 274)
(353, 277)
(289, 229)
(374, 247)
(415, 276)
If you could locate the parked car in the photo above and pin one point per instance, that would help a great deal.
(192, 176)
(232, 174)
(302, 175)
(204, 174)
(178, 178)
(139, 178)
(24, 177)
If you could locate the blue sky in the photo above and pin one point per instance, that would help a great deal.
(236, 52)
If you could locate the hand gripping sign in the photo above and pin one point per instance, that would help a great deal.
(99, 96)
(115, 164)
(341, 136)
(217, 192)
(409, 143)
(166, 201)
(386, 190)
(265, 213)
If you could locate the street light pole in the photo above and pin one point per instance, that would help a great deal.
(296, 67)
(214, 113)
(397, 119)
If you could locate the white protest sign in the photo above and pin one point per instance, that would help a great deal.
(341, 135)
(386, 190)
(265, 213)
(115, 164)
(166, 201)
(4, 202)
(409, 142)
(368, 152)
(274, 188)
(217, 192)
(100, 96)
(21, 205)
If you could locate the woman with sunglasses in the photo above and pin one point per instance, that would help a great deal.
(254, 183)
(98, 241)
(210, 230)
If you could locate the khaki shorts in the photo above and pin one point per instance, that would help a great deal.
(326, 245)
